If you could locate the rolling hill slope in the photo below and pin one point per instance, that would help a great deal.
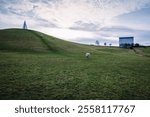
(37, 66)
(28, 40)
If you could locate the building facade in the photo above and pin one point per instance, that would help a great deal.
(126, 42)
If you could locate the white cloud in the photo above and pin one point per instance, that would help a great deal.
(68, 34)
(60, 17)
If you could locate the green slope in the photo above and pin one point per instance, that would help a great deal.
(32, 41)
(37, 66)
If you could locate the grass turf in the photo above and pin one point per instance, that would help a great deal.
(36, 66)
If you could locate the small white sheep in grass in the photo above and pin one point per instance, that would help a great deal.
(87, 55)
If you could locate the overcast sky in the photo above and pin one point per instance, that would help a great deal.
(83, 21)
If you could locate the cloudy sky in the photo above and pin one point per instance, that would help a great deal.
(83, 21)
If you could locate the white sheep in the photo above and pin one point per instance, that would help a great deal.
(87, 55)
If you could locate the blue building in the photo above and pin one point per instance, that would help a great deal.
(126, 42)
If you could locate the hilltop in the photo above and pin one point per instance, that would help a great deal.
(33, 41)
(34, 65)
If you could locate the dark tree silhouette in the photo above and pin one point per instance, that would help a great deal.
(97, 43)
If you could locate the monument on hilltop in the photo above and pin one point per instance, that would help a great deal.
(24, 25)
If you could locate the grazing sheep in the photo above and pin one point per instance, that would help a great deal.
(87, 55)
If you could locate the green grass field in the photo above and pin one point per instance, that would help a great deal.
(37, 66)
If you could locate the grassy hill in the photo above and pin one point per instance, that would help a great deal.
(32, 41)
(37, 66)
